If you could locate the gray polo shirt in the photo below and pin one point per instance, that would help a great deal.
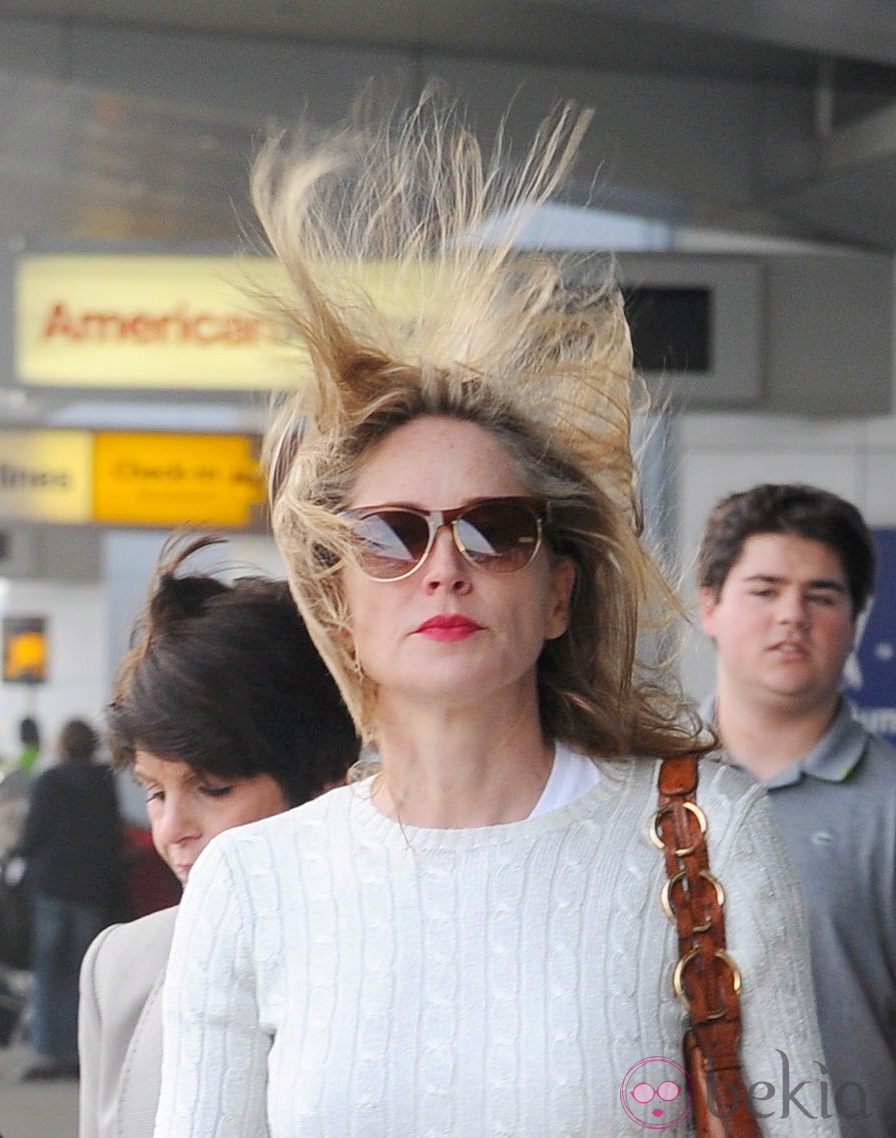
(837, 810)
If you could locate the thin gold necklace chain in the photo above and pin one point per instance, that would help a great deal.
(380, 782)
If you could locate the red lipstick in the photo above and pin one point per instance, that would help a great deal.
(448, 626)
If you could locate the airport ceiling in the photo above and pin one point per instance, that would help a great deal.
(772, 37)
(846, 48)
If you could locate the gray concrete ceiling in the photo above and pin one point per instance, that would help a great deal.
(132, 156)
(737, 37)
(79, 163)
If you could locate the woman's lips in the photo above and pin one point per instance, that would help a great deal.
(448, 627)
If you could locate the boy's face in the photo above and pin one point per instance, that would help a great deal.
(782, 624)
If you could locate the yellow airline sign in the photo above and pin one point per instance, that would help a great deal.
(170, 479)
(45, 476)
(145, 322)
(131, 479)
(159, 322)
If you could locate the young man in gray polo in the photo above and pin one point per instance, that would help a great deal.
(784, 572)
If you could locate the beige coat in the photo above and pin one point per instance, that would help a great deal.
(120, 1027)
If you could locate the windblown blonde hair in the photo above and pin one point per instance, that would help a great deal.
(509, 341)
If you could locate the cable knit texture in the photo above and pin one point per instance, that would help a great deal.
(336, 974)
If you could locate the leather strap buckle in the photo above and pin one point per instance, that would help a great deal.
(681, 966)
(656, 836)
(666, 897)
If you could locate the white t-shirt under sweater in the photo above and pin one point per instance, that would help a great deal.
(571, 775)
(334, 973)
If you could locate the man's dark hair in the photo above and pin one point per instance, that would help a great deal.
(77, 742)
(225, 677)
(789, 508)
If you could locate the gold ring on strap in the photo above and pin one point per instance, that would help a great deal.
(678, 976)
(670, 883)
(657, 838)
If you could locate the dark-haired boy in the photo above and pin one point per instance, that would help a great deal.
(784, 572)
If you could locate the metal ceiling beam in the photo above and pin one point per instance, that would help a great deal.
(864, 142)
(849, 29)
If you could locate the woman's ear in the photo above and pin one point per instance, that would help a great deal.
(563, 579)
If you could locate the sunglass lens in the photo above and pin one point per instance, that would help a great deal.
(390, 542)
(502, 536)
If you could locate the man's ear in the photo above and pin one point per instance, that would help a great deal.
(707, 605)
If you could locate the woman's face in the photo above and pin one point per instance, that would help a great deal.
(501, 619)
(188, 808)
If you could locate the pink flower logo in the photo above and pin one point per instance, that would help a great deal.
(655, 1093)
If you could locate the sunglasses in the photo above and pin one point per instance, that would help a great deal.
(668, 1091)
(497, 534)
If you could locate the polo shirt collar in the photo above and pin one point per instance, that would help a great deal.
(833, 758)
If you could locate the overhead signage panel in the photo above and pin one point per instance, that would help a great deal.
(170, 322)
(172, 479)
(145, 322)
(131, 479)
(45, 476)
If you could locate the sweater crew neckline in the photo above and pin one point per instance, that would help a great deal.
(614, 775)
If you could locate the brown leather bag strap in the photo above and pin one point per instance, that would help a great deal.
(705, 979)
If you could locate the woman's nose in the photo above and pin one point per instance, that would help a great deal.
(446, 567)
(175, 822)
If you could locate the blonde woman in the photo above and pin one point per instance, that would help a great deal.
(470, 942)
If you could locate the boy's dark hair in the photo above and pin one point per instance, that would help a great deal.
(224, 677)
(788, 508)
(77, 742)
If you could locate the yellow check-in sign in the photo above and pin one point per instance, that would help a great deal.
(173, 479)
(46, 476)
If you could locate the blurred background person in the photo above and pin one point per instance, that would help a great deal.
(16, 770)
(71, 843)
(225, 714)
(29, 737)
(16, 773)
(16, 776)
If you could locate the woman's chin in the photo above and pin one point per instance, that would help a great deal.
(461, 684)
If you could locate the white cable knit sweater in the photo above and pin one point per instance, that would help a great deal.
(335, 974)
